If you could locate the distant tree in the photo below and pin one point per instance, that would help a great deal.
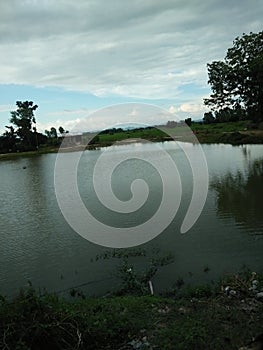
(188, 121)
(47, 132)
(52, 137)
(42, 139)
(61, 130)
(23, 119)
(53, 133)
(237, 82)
(226, 115)
(8, 140)
(10, 133)
(208, 118)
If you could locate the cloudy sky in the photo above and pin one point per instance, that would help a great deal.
(75, 57)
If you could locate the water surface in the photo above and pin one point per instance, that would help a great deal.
(37, 244)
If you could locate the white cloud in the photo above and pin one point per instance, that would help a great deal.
(68, 119)
(192, 108)
(172, 109)
(121, 114)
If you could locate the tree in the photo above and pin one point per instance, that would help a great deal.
(53, 132)
(61, 130)
(8, 140)
(237, 82)
(52, 137)
(47, 132)
(208, 118)
(188, 121)
(23, 119)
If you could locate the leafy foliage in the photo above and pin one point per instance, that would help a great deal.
(237, 82)
(23, 119)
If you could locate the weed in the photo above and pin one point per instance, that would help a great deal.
(206, 268)
(135, 278)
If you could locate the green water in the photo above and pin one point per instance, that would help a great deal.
(37, 244)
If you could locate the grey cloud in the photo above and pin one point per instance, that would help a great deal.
(144, 49)
(40, 19)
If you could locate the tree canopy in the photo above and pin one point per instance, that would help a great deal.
(23, 119)
(237, 82)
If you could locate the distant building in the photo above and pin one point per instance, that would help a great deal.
(171, 124)
(72, 140)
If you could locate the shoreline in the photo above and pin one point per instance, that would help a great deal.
(226, 133)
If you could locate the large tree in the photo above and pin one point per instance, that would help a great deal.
(24, 121)
(237, 82)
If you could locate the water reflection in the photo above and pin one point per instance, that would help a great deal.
(37, 244)
(239, 195)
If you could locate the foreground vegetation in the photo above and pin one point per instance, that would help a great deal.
(226, 315)
(201, 318)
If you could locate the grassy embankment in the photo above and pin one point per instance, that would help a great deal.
(234, 133)
(231, 132)
(201, 319)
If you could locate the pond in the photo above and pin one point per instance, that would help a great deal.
(38, 245)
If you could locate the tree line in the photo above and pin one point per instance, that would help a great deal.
(22, 134)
